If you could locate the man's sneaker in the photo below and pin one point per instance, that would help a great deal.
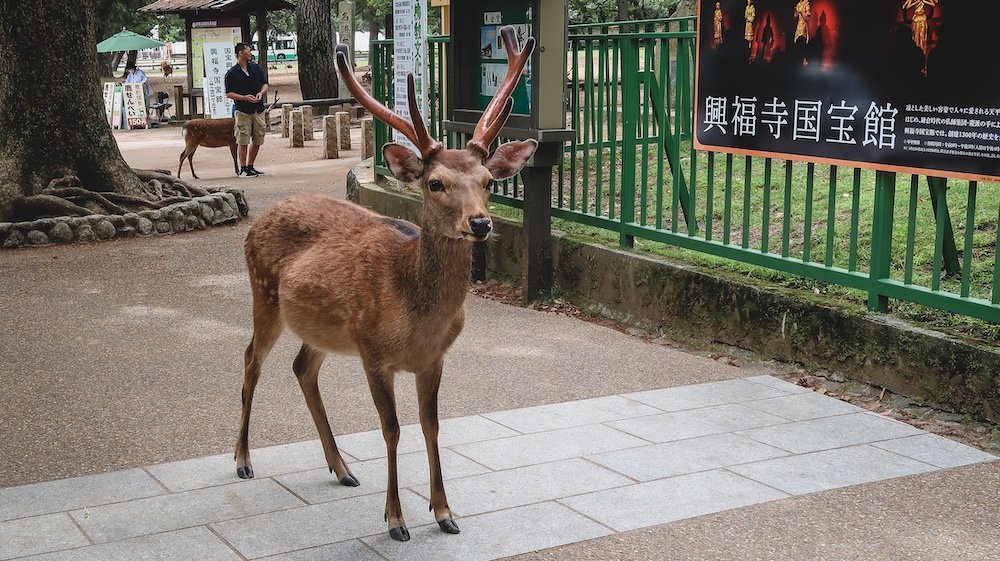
(247, 171)
(255, 170)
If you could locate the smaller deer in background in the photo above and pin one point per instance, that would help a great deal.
(346, 280)
(211, 133)
(167, 68)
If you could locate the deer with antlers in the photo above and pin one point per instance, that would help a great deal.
(347, 280)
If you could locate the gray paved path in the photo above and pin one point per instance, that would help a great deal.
(519, 480)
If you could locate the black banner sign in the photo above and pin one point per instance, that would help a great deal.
(900, 85)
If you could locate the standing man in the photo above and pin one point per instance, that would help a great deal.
(246, 85)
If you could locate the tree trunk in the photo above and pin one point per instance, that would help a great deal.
(262, 41)
(52, 122)
(622, 10)
(133, 58)
(317, 62)
(374, 26)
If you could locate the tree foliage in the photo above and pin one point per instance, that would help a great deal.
(595, 11)
(115, 15)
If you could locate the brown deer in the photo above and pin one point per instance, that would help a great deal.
(211, 133)
(347, 280)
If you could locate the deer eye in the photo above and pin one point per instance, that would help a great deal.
(435, 185)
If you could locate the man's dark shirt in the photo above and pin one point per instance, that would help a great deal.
(238, 82)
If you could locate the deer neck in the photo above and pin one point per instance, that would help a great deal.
(440, 269)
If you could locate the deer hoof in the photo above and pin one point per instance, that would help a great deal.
(400, 534)
(245, 472)
(350, 481)
(448, 526)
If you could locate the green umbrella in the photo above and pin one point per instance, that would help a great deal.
(125, 40)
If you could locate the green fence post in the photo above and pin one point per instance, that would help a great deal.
(881, 260)
(630, 119)
(939, 190)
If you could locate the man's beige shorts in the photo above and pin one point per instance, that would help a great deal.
(249, 128)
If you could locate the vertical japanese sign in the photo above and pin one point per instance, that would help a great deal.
(345, 29)
(219, 58)
(202, 35)
(409, 55)
(135, 106)
(898, 85)
(109, 101)
(116, 108)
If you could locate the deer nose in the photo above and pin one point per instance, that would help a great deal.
(480, 225)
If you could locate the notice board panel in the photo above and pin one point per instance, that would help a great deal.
(898, 85)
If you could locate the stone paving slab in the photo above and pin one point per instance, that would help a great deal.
(494, 535)
(830, 469)
(675, 498)
(198, 473)
(181, 510)
(192, 543)
(310, 526)
(90, 490)
(39, 534)
(658, 461)
(319, 486)
(542, 447)
(518, 480)
(370, 445)
(679, 425)
(571, 414)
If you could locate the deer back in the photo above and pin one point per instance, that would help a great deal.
(210, 133)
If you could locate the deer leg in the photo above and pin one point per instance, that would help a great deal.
(306, 368)
(266, 329)
(180, 163)
(381, 385)
(427, 394)
(191, 163)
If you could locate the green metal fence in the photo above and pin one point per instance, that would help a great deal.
(632, 171)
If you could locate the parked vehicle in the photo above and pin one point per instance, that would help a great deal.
(279, 49)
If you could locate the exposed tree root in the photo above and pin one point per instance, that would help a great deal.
(64, 196)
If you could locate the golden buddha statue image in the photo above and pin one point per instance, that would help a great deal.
(717, 29)
(918, 22)
(750, 14)
(803, 11)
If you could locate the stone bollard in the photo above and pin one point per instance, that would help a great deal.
(307, 122)
(286, 115)
(367, 138)
(331, 139)
(344, 126)
(295, 134)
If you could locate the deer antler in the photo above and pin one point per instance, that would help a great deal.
(273, 103)
(416, 132)
(500, 106)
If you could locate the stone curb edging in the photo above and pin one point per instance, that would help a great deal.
(220, 206)
(696, 307)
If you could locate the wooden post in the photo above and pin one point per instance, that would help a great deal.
(331, 137)
(286, 115)
(295, 134)
(344, 127)
(307, 122)
(367, 138)
(179, 102)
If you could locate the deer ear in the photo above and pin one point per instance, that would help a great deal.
(509, 158)
(403, 163)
